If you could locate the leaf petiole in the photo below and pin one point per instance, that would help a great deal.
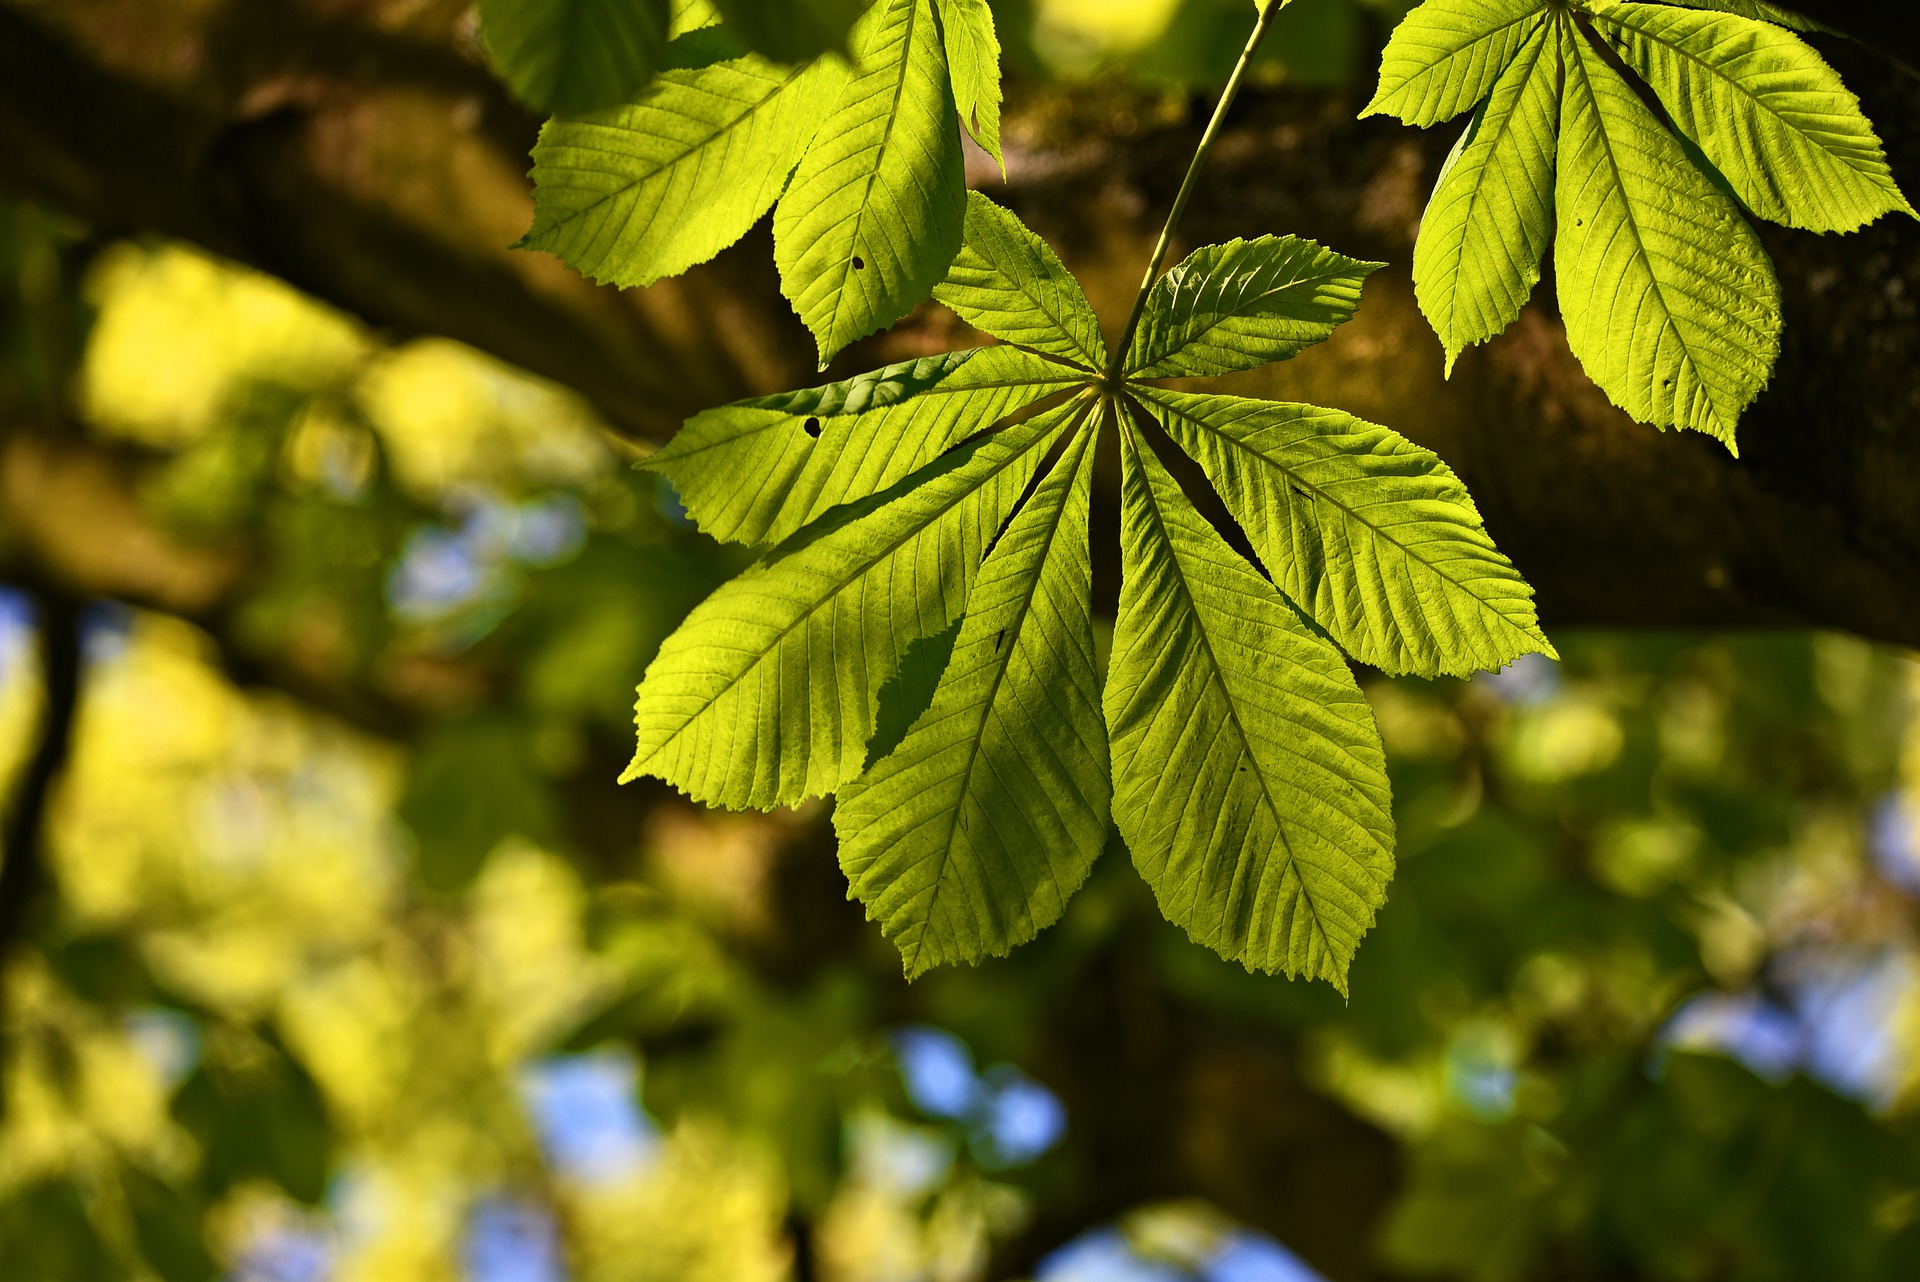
(1268, 11)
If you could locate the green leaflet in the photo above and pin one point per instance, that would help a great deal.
(575, 55)
(1249, 780)
(637, 193)
(1767, 111)
(973, 59)
(874, 213)
(1008, 282)
(756, 471)
(1669, 301)
(1478, 256)
(970, 837)
(1759, 9)
(1370, 534)
(791, 30)
(766, 695)
(1446, 54)
(1242, 304)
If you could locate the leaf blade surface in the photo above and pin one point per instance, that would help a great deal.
(1008, 282)
(637, 193)
(1487, 227)
(766, 694)
(1244, 304)
(1670, 303)
(1249, 781)
(757, 471)
(1370, 534)
(1766, 109)
(875, 210)
(969, 838)
(1445, 56)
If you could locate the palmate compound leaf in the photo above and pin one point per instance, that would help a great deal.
(766, 695)
(637, 193)
(1371, 535)
(1446, 55)
(973, 61)
(1244, 304)
(575, 55)
(1486, 229)
(875, 211)
(1766, 109)
(951, 711)
(1007, 281)
(1249, 780)
(970, 836)
(1669, 301)
(756, 471)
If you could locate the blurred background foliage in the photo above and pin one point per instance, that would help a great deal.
(355, 967)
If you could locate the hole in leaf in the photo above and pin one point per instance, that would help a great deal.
(813, 428)
(998, 639)
(859, 263)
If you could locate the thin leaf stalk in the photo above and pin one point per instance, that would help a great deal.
(1117, 364)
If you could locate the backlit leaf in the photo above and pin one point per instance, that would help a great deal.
(1249, 780)
(874, 213)
(1242, 304)
(1370, 534)
(1446, 55)
(1008, 282)
(1487, 226)
(637, 193)
(1669, 301)
(969, 838)
(756, 471)
(766, 695)
(1770, 114)
(973, 60)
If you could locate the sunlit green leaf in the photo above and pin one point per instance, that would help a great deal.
(1242, 304)
(973, 59)
(756, 471)
(1446, 55)
(1767, 111)
(874, 213)
(1372, 535)
(766, 694)
(1487, 226)
(641, 192)
(1249, 781)
(1008, 282)
(1669, 301)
